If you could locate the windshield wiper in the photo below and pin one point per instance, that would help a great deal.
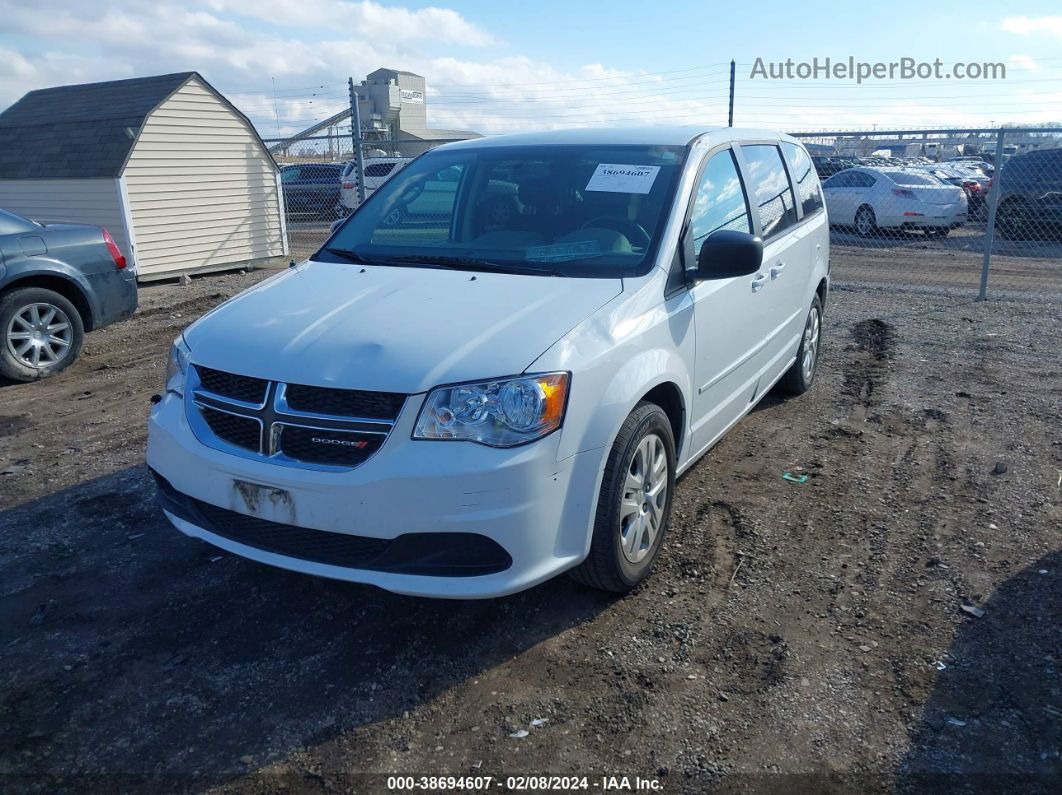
(353, 256)
(474, 264)
(350, 254)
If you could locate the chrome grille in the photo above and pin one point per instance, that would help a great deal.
(231, 413)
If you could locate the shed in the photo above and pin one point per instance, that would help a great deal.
(168, 165)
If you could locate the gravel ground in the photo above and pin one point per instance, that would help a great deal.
(799, 636)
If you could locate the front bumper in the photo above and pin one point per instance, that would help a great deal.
(537, 509)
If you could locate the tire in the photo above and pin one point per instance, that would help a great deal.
(799, 378)
(1011, 221)
(866, 223)
(26, 314)
(625, 514)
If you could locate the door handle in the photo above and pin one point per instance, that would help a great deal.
(776, 269)
(759, 281)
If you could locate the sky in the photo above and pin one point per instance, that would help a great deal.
(497, 67)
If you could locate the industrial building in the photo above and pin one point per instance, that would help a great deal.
(393, 105)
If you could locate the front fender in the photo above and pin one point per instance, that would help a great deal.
(616, 356)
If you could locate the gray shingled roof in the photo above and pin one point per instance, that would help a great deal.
(79, 131)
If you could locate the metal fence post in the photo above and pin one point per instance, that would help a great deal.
(355, 137)
(993, 207)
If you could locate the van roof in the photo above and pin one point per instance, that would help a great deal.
(646, 136)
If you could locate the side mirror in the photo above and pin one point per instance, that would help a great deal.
(728, 253)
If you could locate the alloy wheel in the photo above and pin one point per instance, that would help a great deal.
(811, 343)
(864, 226)
(644, 499)
(39, 335)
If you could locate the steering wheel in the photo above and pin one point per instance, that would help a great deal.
(410, 194)
(399, 211)
(634, 231)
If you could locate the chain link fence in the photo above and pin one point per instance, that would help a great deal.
(974, 210)
(319, 176)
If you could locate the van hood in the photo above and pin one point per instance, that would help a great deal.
(392, 329)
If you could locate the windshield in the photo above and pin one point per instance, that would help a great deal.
(564, 210)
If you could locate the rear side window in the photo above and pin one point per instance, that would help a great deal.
(805, 180)
(912, 180)
(379, 169)
(719, 202)
(861, 179)
(769, 187)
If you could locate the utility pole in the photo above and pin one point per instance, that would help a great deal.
(355, 137)
(730, 115)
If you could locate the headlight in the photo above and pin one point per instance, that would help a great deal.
(177, 366)
(500, 413)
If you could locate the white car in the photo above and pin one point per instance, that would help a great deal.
(461, 405)
(870, 199)
(377, 171)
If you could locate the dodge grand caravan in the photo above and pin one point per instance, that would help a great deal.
(447, 403)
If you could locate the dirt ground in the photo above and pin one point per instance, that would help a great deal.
(798, 636)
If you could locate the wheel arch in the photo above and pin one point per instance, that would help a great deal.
(66, 287)
(668, 396)
(822, 291)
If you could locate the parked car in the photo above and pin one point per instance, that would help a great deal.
(451, 406)
(377, 171)
(972, 182)
(870, 199)
(1030, 204)
(977, 161)
(311, 189)
(57, 281)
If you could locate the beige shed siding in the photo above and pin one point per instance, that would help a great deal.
(80, 201)
(202, 191)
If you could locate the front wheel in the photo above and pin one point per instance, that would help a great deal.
(799, 377)
(634, 508)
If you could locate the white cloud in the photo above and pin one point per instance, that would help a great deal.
(1025, 62)
(310, 47)
(368, 19)
(1027, 25)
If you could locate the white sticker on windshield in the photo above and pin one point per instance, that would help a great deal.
(619, 178)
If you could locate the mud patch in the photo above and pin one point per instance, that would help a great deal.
(874, 337)
(9, 426)
(750, 662)
(868, 368)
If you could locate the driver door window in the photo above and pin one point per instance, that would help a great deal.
(719, 202)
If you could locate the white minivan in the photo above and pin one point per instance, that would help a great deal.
(449, 401)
